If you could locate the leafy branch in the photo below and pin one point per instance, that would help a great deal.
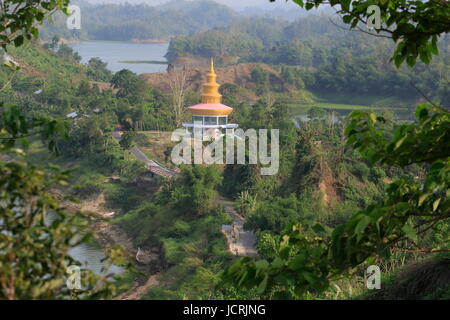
(310, 257)
(413, 25)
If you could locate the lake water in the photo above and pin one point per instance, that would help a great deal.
(338, 114)
(90, 255)
(91, 258)
(112, 52)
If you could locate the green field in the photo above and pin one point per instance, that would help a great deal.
(303, 100)
(298, 109)
(335, 106)
(363, 100)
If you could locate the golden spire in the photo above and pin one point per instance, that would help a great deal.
(211, 87)
(211, 67)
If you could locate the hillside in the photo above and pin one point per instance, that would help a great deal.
(37, 61)
(125, 21)
(45, 80)
(239, 74)
(321, 57)
(320, 179)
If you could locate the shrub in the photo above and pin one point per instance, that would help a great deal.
(361, 169)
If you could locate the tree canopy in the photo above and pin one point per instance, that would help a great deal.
(18, 19)
(36, 232)
(310, 256)
(413, 25)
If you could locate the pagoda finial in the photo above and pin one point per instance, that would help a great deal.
(211, 68)
(211, 87)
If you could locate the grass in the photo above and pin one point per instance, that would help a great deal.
(335, 106)
(425, 279)
(301, 101)
(301, 109)
(362, 100)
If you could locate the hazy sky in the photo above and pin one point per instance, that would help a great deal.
(236, 4)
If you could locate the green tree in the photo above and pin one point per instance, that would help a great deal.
(34, 250)
(36, 233)
(68, 53)
(310, 256)
(18, 19)
(413, 25)
(261, 79)
(131, 86)
(98, 70)
(195, 192)
(127, 140)
(52, 45)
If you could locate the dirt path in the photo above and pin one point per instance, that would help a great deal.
(243, 242)
(106, 233)
(96, 206)
(140, 288)
(150, 164)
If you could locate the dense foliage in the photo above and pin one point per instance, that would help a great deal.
(185, 221)
(127, 22)
(307, 257)
(394, 176)
(36, 232)
(323, 57)
(413, 25)
(18, 19)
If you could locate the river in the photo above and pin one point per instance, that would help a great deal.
(113, 52)
(117, 53)
(90, 255)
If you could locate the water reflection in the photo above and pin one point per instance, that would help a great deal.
(116, 53)
(337, 115)
(90, 255)
(91, 258)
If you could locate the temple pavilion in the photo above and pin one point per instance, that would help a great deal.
(210, 117)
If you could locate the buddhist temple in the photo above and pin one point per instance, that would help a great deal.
(210, 117)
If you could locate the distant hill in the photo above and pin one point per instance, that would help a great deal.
(125, 22)
(149, 2)
(162, 19)
(237, 74)
(235, 4)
